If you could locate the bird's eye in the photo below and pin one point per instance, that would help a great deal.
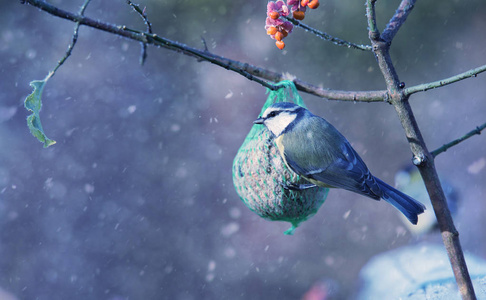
(272, 114)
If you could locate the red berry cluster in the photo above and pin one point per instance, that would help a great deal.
(299, 11)
(276, 26)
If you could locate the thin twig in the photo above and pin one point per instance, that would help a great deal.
(445, 147)
(142, 14)
(144, 17)
(440, 83)
(397, 20)
(73, 42)
(203, 41)
(328, 37)
(381, 50)
(374, 33)
(251, 72)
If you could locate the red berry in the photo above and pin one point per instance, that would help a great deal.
(272, 30)
(285, 33)
(279, 36)
(299, 15)
(280, 44)
(274, 15)
(304, 2)
(313, 4)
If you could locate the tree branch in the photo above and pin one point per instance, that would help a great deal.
(445, 147)
(422, 158)
(328, 37)
(144, 17)
(251, 72)
(373, 31)
(381, 51)
(73, 42)
(440, 83)
(142, 14)
(397, 20)
(147, 38)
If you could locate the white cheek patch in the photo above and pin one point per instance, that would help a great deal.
(278, 124)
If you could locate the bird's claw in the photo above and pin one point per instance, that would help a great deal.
(298, 187)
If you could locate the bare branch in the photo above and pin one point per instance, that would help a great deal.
(356, 96)
(73, 42)
(251, 72)
(440, 83)
(148, 38)
(422, 157)
(445, 147)
(374, 33)
(144, 17)
(328, 37)
(397, 20)
(142, 14)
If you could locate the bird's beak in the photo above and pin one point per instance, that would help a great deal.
(258, 121)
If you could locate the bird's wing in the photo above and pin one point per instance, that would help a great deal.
(321, 153)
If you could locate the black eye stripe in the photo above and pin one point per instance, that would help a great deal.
(273, 114)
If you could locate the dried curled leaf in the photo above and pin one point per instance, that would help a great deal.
(33, 103)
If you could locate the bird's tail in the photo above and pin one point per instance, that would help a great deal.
(410, 207)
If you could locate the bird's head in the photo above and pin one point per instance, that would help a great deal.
(279, 117)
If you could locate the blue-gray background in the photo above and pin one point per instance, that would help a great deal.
(135, 201)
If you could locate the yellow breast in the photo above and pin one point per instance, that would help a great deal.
(281, 148)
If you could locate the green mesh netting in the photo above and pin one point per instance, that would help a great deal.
(260, 174)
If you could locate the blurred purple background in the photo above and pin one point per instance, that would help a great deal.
(136, 200)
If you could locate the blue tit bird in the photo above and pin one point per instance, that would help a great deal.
(314, 149)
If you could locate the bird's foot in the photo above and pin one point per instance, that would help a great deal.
(298, 187)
